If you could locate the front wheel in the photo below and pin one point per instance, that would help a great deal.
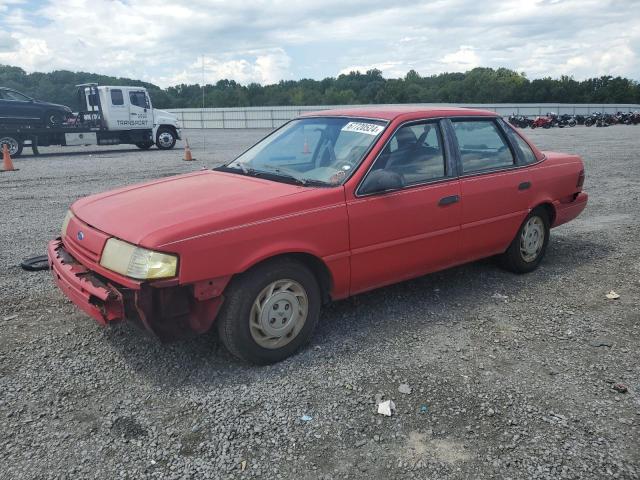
(54, 119)
(270, 311)
(166, 138)
(530, 244)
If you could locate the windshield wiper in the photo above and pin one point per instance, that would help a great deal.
(273, 172)
(239, 166)
(299, 180)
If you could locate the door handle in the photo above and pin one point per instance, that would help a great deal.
(444, 201)
(524, 185)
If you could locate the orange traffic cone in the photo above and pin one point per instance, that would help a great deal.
(305, 148)
(7, 164)
(187, 152)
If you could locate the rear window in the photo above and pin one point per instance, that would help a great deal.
(482, 146)
(527, 154)
(116, 97)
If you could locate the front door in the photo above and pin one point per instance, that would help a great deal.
(140, 110)
(404, 220)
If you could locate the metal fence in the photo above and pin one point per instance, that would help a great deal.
(272, 117)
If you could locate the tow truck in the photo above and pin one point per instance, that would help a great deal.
(108, 115)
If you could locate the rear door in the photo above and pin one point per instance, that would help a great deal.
(140, 109)
(495, 188)
(413, 229)
(116, 109)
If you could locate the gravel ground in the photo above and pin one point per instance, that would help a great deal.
(510, 376)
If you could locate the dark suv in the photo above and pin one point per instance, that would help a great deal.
(16, 107)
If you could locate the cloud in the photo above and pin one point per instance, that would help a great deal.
(163, 41)
(7, 42)
(261, 66)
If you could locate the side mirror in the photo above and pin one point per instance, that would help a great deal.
(381, 181)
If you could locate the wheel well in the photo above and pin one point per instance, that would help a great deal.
(549, 209)
(168, 127)
(315, 264)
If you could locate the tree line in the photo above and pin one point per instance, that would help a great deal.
(479, 85)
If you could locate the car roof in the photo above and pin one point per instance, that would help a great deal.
(393, 112)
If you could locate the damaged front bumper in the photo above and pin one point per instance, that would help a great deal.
(167, 312)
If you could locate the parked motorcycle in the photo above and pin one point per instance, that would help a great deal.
(519, 121)
(542, 122)
(566, 120)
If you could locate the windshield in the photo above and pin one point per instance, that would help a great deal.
(311, 151)
(11, 95)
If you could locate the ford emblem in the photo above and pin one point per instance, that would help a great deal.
(80, 235)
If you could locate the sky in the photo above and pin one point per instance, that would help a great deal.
(165, 42)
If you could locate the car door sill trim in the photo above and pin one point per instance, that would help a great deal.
(499, 218)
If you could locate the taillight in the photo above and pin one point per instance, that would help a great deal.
(580, 179)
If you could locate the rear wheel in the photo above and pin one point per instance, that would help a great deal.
(270, 311)
(530, 244)
(14, 144)
(166, 138)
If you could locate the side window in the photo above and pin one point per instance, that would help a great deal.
(139, 99)
(482, 146)
(116, 97)
(414, 153)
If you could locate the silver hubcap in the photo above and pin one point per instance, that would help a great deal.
(11, 143)
(165, 139)
(278, 313)
(532, 239)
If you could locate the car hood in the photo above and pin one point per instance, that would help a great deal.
(53, 105)
(176, 208)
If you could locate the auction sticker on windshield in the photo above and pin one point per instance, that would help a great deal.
(363, 127)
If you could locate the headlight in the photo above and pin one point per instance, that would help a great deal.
(137, 262)
(65, 223)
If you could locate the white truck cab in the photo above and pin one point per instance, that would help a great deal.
(130, 108)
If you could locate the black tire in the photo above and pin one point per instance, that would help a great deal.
(513, 259)
(588, 122)
(54, 119)
(35, 264)
(166, 138)
(234, 319)
(14, 143)
(144, 145)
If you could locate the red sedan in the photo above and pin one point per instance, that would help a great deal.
(330, 205)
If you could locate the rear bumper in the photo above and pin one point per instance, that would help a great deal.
(566, 212)
(167, 312)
